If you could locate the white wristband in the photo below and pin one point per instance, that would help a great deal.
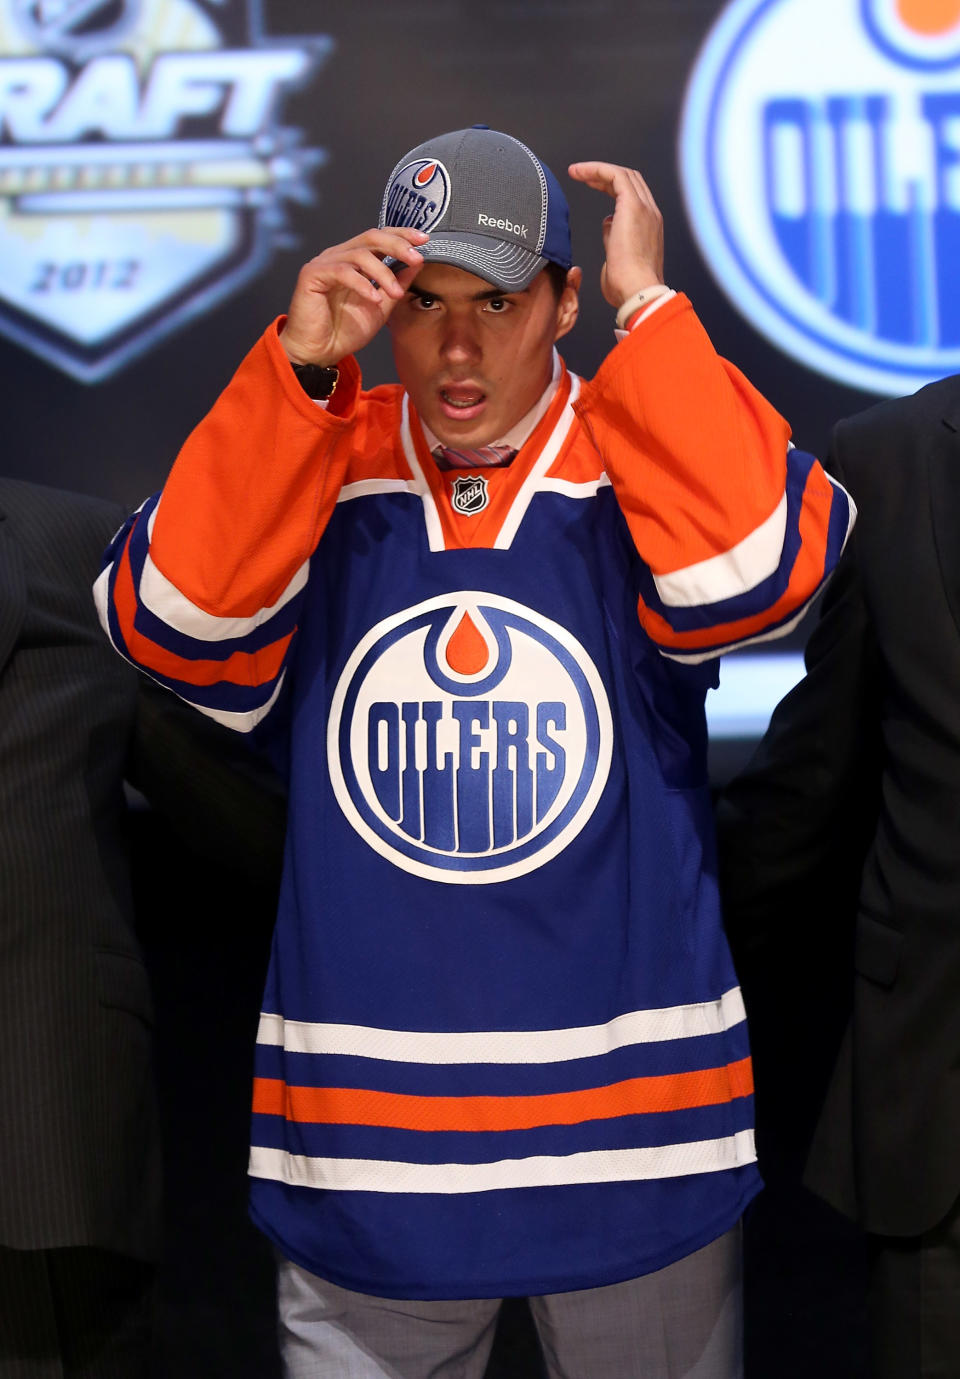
(638, 300)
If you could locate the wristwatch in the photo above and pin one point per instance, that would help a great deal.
(316, 381)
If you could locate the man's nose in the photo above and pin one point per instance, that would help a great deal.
(461, 339)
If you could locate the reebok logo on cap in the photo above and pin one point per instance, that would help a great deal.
(519, 230)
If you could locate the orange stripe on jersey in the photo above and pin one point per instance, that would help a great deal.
(398, 1111)
(806, 574)
(242, 668)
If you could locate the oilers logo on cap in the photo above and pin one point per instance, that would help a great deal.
(469, 738)
(417, 195)
(822, 173)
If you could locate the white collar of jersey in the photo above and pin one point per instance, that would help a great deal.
(533, 481)
(518, 433)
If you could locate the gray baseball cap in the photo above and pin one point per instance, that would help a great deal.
(489, 205)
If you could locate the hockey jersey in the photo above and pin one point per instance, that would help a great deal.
(502, 1048)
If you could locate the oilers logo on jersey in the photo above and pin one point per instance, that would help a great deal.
(469, 738)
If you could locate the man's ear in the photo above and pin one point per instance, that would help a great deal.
(568, 307)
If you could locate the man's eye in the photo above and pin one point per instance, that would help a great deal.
(497, 304)
(424, 303)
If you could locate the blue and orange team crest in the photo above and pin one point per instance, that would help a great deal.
(143, 174)
(416, 195)
(469, 739)
(820, 151)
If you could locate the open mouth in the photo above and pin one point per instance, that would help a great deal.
(462, 400)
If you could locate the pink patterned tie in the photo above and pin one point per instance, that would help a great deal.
(484, 457)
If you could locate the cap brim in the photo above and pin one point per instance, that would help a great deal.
(503, 265)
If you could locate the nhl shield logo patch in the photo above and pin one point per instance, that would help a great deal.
(470, 495)
(143, 174)
(469, 738)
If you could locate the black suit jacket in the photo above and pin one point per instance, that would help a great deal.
(850, 813)
(79, 1158)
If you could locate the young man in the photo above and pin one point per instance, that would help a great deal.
(502, 1049)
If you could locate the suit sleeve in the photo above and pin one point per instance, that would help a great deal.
(224, 801)
(737, 530)
(203, 585)
(795, 826)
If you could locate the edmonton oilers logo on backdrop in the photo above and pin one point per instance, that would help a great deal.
(143, 172)
(469, 738)
(820, 153)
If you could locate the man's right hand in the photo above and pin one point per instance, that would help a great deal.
(345, 294)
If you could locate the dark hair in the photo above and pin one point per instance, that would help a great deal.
(558, 277)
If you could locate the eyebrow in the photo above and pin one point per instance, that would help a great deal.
(487, 296)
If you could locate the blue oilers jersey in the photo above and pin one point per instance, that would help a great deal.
(502, 1048)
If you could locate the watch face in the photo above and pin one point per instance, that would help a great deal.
(317, 380)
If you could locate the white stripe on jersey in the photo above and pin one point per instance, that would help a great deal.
(733, 572)
(506, 1046)
(542, 1170)
(546, 458)
(570, 489)
(165, 601)
(431, 517)
(365, 488)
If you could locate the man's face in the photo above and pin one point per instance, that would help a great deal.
(473, 359)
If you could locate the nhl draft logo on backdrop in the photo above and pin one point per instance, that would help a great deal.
(142, 170)
(821, 163)
(417, 195)
(469, 738)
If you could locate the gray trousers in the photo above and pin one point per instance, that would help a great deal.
(682, 1322)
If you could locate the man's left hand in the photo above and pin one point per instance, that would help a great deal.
(632, 236)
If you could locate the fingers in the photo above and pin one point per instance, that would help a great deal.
(603, 177)
(616, 181)
(393, 241)
(358, 263)
(344, 295)
(379, 274)
(599, 176)
(405, 276)
(612, 179)
(632, 236)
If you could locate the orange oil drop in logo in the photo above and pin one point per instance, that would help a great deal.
(467, 652)
(929, 17)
